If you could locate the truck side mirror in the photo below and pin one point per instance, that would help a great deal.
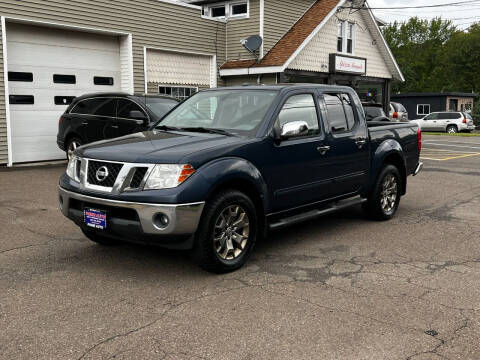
(294, 129)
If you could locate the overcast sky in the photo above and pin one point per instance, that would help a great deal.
(462, 15)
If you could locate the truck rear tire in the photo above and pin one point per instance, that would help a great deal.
(227, 232)
(102, 240)
(385, 198)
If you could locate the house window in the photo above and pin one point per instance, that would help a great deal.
(218, 12)
(239, 9)
(178, 92)
(236, 9)
(423, 109)
(345, 37)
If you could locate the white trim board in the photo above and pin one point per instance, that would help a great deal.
(7, 94)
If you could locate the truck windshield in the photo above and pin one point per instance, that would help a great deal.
(236, 111)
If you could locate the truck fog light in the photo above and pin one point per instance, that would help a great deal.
(161, 221)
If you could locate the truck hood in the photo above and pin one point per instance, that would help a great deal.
(156, 147)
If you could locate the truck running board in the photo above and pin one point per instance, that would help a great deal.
(312, 214)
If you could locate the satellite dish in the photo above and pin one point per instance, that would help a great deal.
(253, 43)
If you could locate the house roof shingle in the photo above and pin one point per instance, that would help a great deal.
(292, 40)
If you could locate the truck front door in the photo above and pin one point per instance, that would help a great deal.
(296, 168)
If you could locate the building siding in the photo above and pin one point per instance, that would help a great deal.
(3, 121)
(152, 23)
(280, 16)
(240, 29)
(315, 56)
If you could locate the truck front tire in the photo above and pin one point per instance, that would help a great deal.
(227, 233)
(384, 200)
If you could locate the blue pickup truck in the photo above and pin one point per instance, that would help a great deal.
(228, 165)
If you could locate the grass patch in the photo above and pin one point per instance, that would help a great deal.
(457, 134)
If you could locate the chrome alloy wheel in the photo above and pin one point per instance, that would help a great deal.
(72, 146)
(452, 130)
(231, 232)
(389, 194)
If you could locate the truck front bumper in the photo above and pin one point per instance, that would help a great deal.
(132, 221)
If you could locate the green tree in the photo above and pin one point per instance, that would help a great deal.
(417, 45)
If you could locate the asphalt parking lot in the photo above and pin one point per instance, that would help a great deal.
(341, 287)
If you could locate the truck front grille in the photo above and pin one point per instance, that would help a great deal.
(101, 173)
(138, 176)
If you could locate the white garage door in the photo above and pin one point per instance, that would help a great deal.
(47, 68)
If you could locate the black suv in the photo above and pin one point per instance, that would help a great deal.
(102, 116)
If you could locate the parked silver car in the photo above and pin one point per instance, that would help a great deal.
(398, 112)
(450, 122)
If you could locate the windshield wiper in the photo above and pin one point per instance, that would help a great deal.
(207, 131)
(166, 128)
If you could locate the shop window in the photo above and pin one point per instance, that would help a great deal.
(423, 109)
(341, 116)
(20, 76)
(64, 100)
(346, 37)
(64, 79)
(177, 92)
(101, 80)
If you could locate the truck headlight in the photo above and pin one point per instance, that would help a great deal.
(72, 168)
(165, 176)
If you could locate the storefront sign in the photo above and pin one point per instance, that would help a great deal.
(346, 64)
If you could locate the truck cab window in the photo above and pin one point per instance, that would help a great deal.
(300, 108)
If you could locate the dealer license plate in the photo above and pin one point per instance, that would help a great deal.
(95, 218)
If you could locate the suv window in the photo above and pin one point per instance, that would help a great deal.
(126, 106)
(340, 112)
(433, 116)
(300, 108)
(96, 106)
(468, 116)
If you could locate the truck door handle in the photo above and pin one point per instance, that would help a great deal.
(323, 149)
(360, 142)
(84, 123)
(114, 126)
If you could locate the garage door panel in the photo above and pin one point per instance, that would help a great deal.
(34, 123)
(43, 79)
(36, 148)
(31, 34)
(74, 58)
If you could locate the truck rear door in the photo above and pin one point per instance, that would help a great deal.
(347, 137)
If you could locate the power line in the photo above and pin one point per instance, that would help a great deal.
(460, 3)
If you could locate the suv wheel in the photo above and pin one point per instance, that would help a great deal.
(227, 232)
(452, 129)
(384, 200)
(102, 240)
(72, 145)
